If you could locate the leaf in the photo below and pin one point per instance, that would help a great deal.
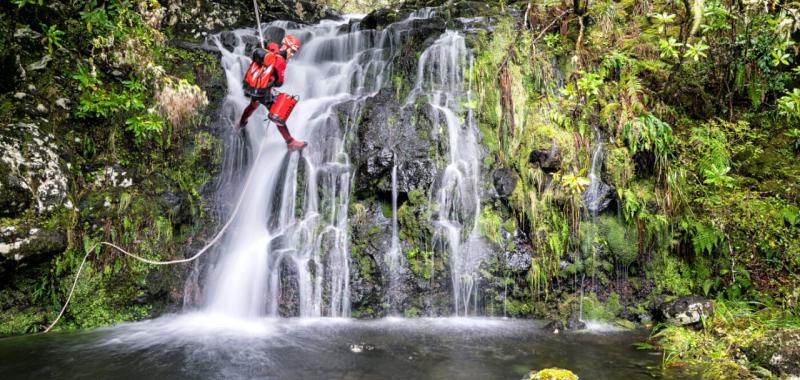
(790, 214)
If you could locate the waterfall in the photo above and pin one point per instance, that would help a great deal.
(394, 257)
(440, 79)
(592, 198)
(290, 242)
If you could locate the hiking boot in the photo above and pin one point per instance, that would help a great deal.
(294, 145)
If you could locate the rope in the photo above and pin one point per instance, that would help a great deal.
(154, 262)
(258, 20)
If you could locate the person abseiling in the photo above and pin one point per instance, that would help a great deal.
(265, 73)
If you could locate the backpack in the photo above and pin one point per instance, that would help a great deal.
(258, 79)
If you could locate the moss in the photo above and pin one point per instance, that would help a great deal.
(595, 310)
(490, 224)
(554, 374)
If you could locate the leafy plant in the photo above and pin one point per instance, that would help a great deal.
(145, 126)
(669, 48)
(718, 176)
(662, 20)
(789, 104)
(51, 37)
(575, 183)
(696, 51)
(794, 135)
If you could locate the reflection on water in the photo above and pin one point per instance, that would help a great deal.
(196, 346)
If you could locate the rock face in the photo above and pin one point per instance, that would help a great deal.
(686, 310)
(389, 135)
(33, 183)
(371, 239)
(31, 172)
(197, 19)
(778, 351)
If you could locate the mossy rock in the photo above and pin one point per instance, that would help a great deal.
(553, 374)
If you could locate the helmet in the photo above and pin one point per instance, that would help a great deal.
(291, 41)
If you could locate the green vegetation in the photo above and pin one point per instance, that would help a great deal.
(695, 103)
(127, 114)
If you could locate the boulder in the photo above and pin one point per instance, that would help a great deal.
(549, 160)
(778, 351)
(686, 310)
(505, 181)
(22, 244)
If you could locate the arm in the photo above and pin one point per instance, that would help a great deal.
(280, 69)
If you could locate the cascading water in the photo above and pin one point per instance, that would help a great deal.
(295, 219)
(290, 242)
(393, 257)
(440, 78)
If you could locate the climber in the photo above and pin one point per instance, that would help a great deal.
(265, 73)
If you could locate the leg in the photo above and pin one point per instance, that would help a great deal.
(291, 143)
(247, 112)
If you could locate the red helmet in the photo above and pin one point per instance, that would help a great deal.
(291, 42)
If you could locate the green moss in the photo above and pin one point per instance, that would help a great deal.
(595, 310)
(554, 374)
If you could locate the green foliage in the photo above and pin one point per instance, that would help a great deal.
(649, 133)
(145, 127)
(596, 310)
(51, 37)
(789, 104)
(490, 224)
(794, 135)
(22, 3)
(575, 183)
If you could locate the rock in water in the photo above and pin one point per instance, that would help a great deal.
(686, 310)
(551, 374)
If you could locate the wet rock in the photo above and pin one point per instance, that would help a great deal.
(778, 351)
(685, 310)
(31, 173)
(505, 181)
(575, 323)
(548, 160)
(371, 240)
(387, 135)
(599, 201)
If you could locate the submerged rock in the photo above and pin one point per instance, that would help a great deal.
(686, 310)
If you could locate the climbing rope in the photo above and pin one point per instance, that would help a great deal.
(154, 262)
(258, 21)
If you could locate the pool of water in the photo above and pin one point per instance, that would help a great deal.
(202, 346)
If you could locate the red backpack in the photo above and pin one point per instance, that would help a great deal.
(258, 79)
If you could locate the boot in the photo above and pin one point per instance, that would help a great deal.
(294, 145)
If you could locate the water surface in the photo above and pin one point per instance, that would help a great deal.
(203, 346)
